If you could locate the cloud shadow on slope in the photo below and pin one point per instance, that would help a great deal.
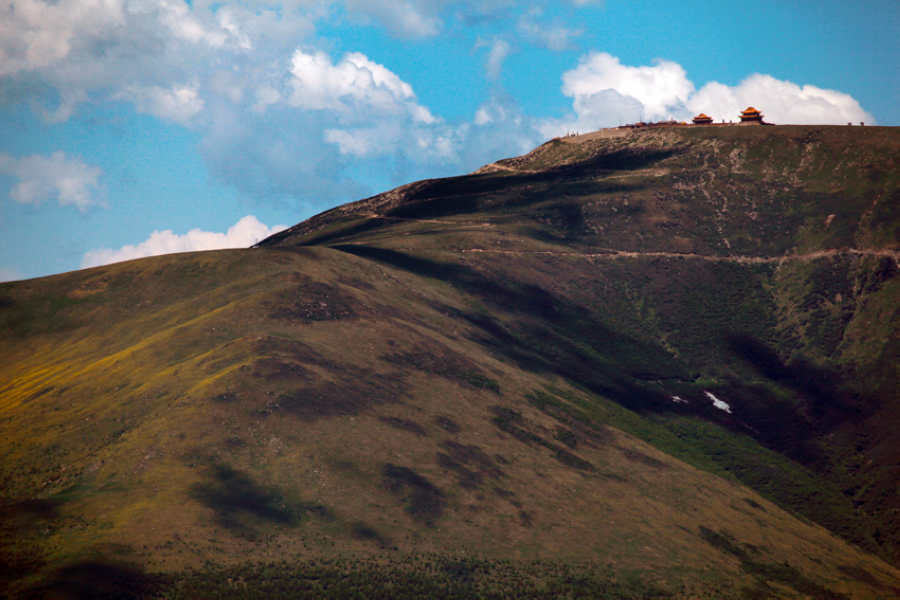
(100, 578)
(241, 504)
(549, 333)
(467, 194)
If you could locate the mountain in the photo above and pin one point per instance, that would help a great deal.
(634, 363)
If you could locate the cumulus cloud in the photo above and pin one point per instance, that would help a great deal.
(781, 101)
(243, 234)
(270, 115)
(277, 117)
(353, 83)
(606, 93)
(65, 179)
(498, 128)
(36, 34)
(361, 142)
(658, 88)
(144, 52)
(179, 103)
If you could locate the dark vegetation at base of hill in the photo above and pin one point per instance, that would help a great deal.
(441, 577)
(100, 580)
(424, 576)
(437, 577)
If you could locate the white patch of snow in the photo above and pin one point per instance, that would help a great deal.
(721, 405)
(679, 400)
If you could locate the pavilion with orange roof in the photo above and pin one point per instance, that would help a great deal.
(751, 115)
(703, 119)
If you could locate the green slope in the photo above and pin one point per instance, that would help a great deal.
(461, 376)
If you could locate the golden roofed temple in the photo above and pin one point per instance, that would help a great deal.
(703, 119)
(751, 115)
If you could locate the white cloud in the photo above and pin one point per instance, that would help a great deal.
(781, 101)
(276, 117)
(243, 234)
(497, 111)
(265, 97)
(499, 129)
(229, 21)
(179, 103)
(353, 83)
(422, 145)
(553, 36)
(499, 50)
(402, 17)
(36, 34)
(68, 101)
(606, 93)
(358, 142)
(368, 110)
(41, 178)
(425, 18)
(184, 24)
(144, 50)
(658, 88)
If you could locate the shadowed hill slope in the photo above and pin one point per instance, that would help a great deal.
(665, 359)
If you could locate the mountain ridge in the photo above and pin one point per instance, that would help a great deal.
(452, 365)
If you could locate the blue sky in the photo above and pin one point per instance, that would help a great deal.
(135, 127)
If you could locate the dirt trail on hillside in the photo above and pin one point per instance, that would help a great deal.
(479, 224)
(611, 253)
(737, 258)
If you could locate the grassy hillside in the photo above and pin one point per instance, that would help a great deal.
(513, 379)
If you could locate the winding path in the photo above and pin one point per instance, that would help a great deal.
(611, 253)
(745, 259)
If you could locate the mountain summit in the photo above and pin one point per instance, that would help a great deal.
(632, 363)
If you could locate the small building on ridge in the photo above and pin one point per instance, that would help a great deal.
(751, 115)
